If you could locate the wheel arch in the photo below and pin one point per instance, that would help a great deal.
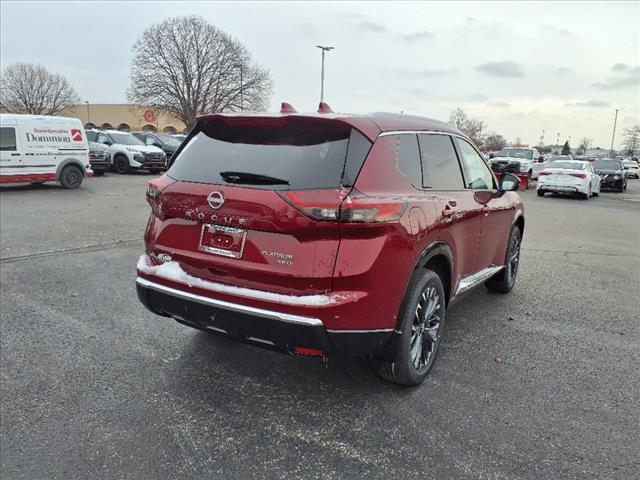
(518, 221)
(70, 161)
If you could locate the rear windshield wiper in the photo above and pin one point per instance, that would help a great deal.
(252, 178)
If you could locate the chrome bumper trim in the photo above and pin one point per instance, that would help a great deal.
(377, 330)
(233, 307)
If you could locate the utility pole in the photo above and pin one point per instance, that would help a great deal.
(615, 121)
(324, 50)
(88, 115)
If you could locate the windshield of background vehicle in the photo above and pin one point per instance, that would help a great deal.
(607, 165)
(125, 139)
(516, 153)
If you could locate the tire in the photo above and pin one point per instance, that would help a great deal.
(71, 177)
(621, 188)
(504, 281)
(98, 173)
(154, 170)
(121, 164)
(540, 193)
(421, 326)
(529, 179)
(586, 196)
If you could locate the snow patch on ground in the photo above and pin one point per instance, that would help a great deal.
(174, 272)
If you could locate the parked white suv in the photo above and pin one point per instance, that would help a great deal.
(530, 160)
(128, 152)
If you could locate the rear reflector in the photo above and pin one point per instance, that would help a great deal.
(339, 205)
(314, 352)
(542, 174)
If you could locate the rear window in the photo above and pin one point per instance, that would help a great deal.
(567, 165)
(274, 154)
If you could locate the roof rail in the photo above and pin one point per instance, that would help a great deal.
(287, 108)
(324, 108)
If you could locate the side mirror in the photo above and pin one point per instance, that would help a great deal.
(491, 155)
(541, 159)
(509, 183)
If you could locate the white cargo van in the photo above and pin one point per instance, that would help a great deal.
(37, 149)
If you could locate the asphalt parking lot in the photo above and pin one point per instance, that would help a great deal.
(94, 386)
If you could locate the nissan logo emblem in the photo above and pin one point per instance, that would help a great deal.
(216, 200)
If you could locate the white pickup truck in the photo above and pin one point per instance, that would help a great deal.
(530, 160)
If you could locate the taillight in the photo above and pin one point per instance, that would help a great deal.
(579, 175)
(542, 174)
(317, 204)
(154, 197)
(341, 206)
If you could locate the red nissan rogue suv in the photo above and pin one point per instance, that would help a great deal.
(327, 233)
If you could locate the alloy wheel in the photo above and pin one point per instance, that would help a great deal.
(514, 258)
(425, 330)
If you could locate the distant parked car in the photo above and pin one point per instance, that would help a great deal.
(569, 176)
(99, 158)
(530, 160)
(179, 136)
(128, 152)
(612, 174)
(168, 143)
(633, 171)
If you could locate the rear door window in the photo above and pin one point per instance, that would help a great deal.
(440, 167)
(477, 174)
(408, 159)
(8, 139)
(273, 154)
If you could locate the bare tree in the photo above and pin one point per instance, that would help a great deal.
(472, 127)
(585, 143)
(632, 139)
(185, 66)
(30, 88)
(495, 142)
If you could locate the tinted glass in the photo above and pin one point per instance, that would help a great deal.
(516, 153)
(92, 136)
(409, 159)
(567, 165)
(440, 167)
(358, 149)
(125, 139)
(7, 139)
(272, 154)
(607, 165)
(477, 174)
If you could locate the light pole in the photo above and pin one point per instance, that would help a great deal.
(88, 115)
(324, 50)
(239, 65)
(613, 136)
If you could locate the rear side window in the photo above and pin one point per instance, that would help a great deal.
(8, 139)
(273, 154)
(409, 159)
(477, 174)
(440, 167)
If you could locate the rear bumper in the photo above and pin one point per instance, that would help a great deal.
(267, 328)
(100, 166)
(559, 188)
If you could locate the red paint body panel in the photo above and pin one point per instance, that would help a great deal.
(28, 178)
(289, 252)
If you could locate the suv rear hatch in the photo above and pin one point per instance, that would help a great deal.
(254, 201)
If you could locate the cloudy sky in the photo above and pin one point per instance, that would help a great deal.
(520, 67)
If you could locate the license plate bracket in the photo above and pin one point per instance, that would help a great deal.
(222, 240)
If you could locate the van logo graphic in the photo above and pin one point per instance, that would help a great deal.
(216, 200)
(76, 135)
